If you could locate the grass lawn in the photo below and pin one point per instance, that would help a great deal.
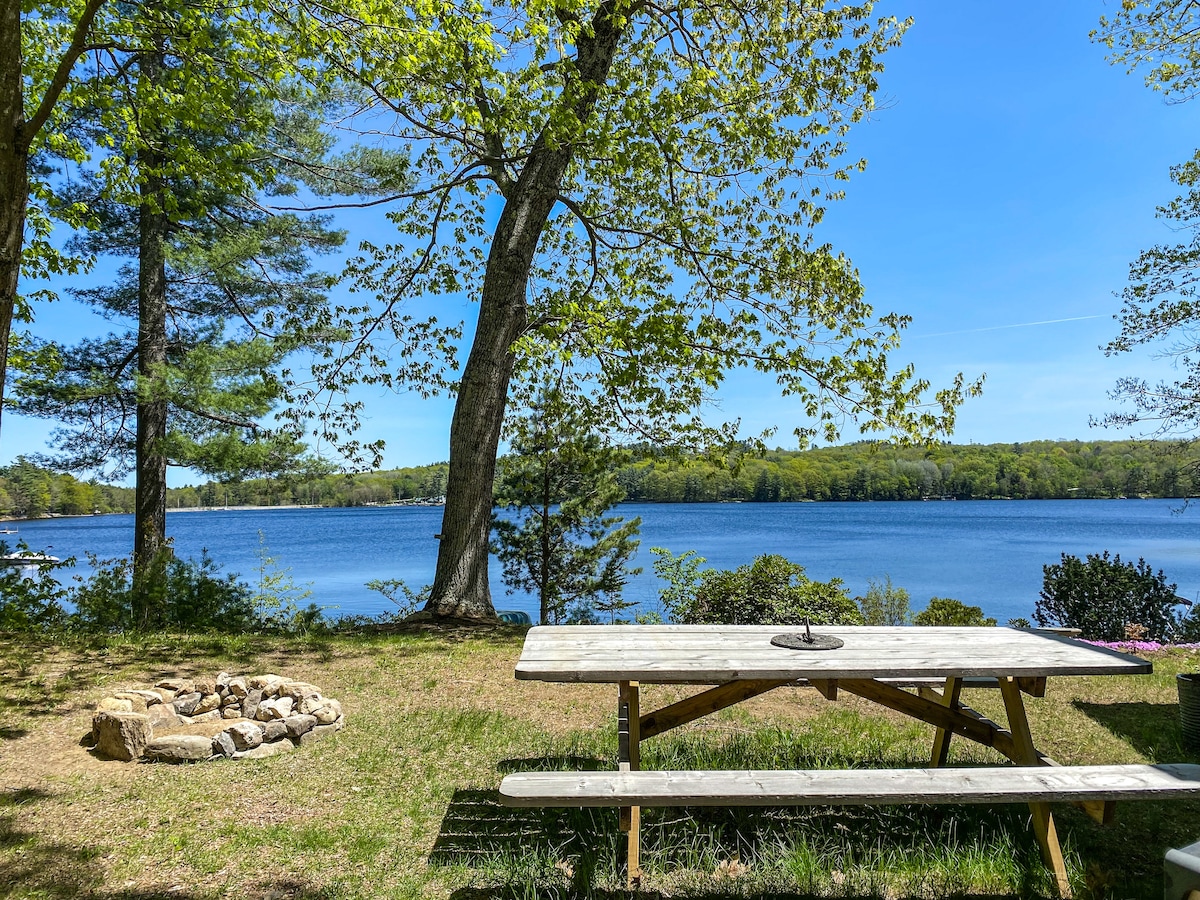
(402, 803)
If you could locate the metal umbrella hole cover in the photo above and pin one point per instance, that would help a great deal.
(807, 641)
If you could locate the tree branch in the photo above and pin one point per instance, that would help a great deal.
(62, 75)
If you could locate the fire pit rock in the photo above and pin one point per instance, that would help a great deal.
(229, 716)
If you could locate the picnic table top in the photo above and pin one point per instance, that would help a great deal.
(714, 654)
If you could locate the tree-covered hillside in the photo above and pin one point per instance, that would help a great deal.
(1038, 470)
(29, 491)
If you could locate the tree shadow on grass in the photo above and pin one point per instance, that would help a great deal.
(557, 852)
(37, 866)
(1152, 729)
(40, 693)
(22, 796)
(565, 762)
(478, 830)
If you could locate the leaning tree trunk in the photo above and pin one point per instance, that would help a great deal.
(14, 171)
(150, 548)
(460, 583)
(16, 138)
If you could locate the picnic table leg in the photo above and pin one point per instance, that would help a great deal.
(629, 759)
(1043, 822)
(941, 738)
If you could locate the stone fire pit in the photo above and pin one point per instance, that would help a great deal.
(229, 716)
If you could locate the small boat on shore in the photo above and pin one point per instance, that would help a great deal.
(28, 564)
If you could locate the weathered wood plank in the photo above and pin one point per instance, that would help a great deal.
(827, 687)
(630, 760)
(941, 739)
(991, 784)
(716, 654)
(1044, 828)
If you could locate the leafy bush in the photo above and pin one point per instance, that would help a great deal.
(1102, 596)
(277, 601)
(396, 590)
(104, 602)
(771, 590)
(192, 596)
(884, 604)
(681, 574)
(1188, 630)
(30, 602)
(945, 611)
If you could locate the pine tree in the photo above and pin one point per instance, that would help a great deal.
(217, 291)
(558, 481)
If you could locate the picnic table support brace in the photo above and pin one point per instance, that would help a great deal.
(941, 738)
(961, 720)
(705, 703)
(1027, 754)
(629, 760)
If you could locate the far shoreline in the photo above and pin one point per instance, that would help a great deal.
(403, 505)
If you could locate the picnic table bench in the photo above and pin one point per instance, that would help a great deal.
(880, 664)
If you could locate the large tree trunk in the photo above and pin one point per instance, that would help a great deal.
(16, 137)
(14, 171)
(150, 548)
(460, 584)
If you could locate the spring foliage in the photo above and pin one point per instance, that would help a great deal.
(1162, 39)
(769, 591)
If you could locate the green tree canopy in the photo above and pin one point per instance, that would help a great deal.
(185, 117)
(630, 190)
(1162, 39)
(42, 47)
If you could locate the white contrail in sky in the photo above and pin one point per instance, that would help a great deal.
(1001, 327)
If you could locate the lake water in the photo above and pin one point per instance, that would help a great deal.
(985, 553)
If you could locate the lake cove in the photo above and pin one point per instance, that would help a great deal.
(986, 553)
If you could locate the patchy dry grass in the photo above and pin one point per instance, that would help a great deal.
(402, 803)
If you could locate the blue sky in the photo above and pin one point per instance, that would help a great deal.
(1013, 175)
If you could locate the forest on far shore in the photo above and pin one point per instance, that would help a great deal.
(1037, 470)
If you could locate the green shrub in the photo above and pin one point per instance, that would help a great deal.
(771, 590)
(31, 603)
(681, 574)
(1188, 630)
(945, 611)
(1103, 596)
(192, 596)
(104, 602)
(397, 591)
(277, 600)
(884, 604)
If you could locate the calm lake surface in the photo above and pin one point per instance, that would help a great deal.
(985, 553)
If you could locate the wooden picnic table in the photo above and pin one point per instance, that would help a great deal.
(881, 664)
